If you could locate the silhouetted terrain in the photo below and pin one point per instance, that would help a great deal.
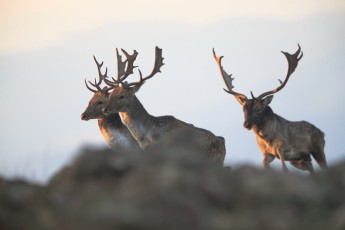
(173, 189)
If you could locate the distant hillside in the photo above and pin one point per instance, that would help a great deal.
(173, 189)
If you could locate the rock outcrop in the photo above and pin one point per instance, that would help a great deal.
(173, 189)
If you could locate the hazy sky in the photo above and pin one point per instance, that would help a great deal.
(32, 25)
(46, 50)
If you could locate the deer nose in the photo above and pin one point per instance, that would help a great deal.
(84, 116)
(247, 125)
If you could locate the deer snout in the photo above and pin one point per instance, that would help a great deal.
(247, 125)
(84, 116)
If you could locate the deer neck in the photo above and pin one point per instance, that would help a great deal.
(111, 121)
(115, 133)
(267, 123)
(137, 119)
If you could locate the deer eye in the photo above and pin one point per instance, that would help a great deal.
(99, 102)
(258, 110)
(121, 97)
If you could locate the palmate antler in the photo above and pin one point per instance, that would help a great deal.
(227, 78)
(293, 60)
(156, 69)
(101, 77)
(124, 72)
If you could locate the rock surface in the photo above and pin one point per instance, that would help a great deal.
(173, 189)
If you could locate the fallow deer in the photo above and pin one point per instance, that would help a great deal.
(114, 132)
(276, 136)
(149, 130)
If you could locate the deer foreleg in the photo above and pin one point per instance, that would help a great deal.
(268, 158)
(280, 153)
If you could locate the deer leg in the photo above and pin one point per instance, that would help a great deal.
(307, 165)
(304, 164)
(268, 158)
(320, 158)
(279, 152)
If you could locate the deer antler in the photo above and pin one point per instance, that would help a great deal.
(89, 88)
(122, 71)
(226, 77)
(156, 68)
(293, 60)
(101, 78)
(121, 65)
(130, 63)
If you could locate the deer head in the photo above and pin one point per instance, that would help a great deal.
(123, 92)
(100, 97)
(256, 109)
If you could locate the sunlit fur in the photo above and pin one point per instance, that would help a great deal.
(150, 131)
(278, 137)
(114, 132)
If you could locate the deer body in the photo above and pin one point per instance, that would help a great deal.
(276, 136)
(149, 130)
(289, 141)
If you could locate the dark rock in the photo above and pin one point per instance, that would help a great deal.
(173, 188)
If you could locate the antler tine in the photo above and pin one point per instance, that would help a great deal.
(89, 88)
(96, 85)
(158, 63)
(156, 68)
(101, 78)
(99, 66)
(293, 60)
(130, 59)
(122, 71)
(121, 66)
(112, 84)
(140, 82)
(226, 77)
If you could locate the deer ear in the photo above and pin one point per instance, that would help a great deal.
(134, 89)
(267, 100)
(241, 99)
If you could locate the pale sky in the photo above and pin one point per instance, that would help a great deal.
(42, 22)
(46, 50)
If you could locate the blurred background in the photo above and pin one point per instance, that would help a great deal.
(46, 50)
